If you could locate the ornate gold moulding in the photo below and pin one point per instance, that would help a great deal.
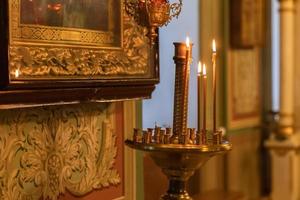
(153, 14)
(179, 162)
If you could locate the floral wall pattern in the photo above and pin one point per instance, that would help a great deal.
(48, 150)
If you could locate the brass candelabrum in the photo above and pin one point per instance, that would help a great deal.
(152, 14)
(181, 150)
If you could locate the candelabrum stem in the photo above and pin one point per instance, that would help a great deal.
(177, 190)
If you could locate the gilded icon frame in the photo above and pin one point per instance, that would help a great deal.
(112, 63)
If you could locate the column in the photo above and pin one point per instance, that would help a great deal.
(285, 165)
(284, 145)
(286, 121)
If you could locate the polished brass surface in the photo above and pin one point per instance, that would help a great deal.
(187, 149)
(284, 132)
(283, 125)
(217, 137)
(180, 148)
(152, 14)
(179, 162)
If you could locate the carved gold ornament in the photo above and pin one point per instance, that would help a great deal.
(46, 151)
(153, 14)
(41, 52)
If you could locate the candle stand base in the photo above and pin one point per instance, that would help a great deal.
(179, 162)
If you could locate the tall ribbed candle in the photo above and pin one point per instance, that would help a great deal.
(180, 112)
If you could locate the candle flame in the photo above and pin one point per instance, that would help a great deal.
(187, 41)
(17, 73)
(199, 68)
(204, 69)
(214, 46)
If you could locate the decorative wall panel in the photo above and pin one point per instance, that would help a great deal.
(247, 23)
(46, 151)
(244, 89)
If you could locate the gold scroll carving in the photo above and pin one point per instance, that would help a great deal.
(35, 60)
(46, 151)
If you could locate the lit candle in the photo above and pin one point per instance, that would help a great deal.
(187, 55)
(204, 99)
(199, 93)
(186, 80)
(214, 57)
(214, 46)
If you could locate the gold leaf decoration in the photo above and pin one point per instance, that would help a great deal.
(65, 62)
(46, 151)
